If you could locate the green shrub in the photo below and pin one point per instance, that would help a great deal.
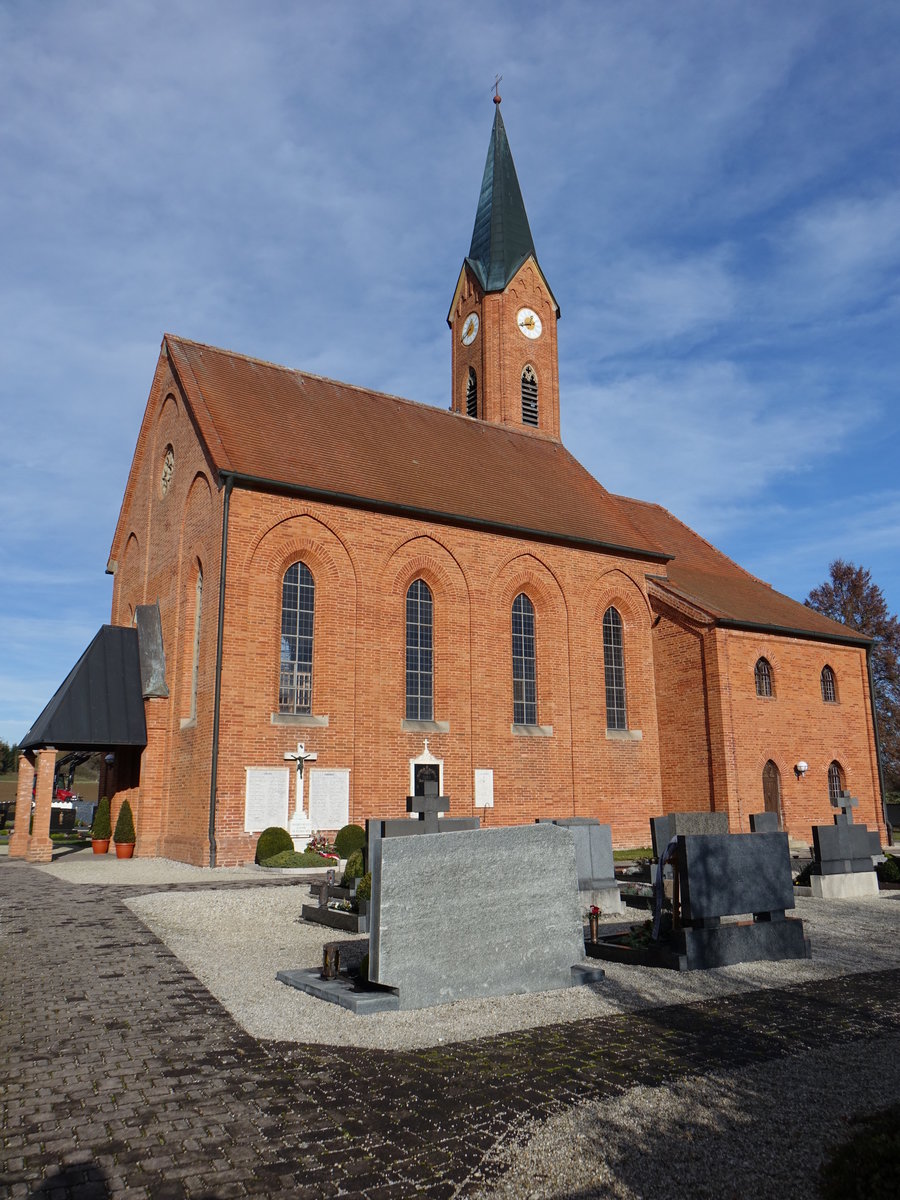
(124, 825)
(865, 1166)
(350, 838)
(354, 869)
(888, 871)
(101, 830)
(271, 842)
(294, 858)
(803, 878)
(364, 887)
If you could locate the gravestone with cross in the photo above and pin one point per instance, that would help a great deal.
(843, 852)
(426, 807)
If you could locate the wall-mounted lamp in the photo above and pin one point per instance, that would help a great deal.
(109, 759)
(800, 769)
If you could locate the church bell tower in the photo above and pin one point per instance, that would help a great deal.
(503, 316)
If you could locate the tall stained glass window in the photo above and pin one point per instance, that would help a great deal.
(419, 652)
(524, 687)
(297, 603)
(614, 670)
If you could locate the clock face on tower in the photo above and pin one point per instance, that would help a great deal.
(529, 322)
(469, 329)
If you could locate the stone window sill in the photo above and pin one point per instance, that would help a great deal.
(624, 735)
(532, 730)
(188, 723)
(305, 720)
(409, 726)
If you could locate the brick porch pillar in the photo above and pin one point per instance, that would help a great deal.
(18, 843)
(40, 848)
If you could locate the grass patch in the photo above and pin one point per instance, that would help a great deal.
(637, 852)
(299, 858)
(865, 1166)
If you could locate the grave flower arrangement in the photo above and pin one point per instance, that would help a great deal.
(320, 845)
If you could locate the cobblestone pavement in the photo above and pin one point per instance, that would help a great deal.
(122, 1076)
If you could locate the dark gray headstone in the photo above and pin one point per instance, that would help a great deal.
(663, 829)
(842, 848)
(764, 822)
(728, 874)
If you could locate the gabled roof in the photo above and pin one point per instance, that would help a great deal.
(99, 705)
(709, 580)
(501, 238)
(272, 427)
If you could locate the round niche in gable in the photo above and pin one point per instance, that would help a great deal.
(168, 470)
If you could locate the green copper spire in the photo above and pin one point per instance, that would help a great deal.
(501, 239)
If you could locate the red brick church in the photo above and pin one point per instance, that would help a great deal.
(335, 594)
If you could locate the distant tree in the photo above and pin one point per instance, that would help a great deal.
(9, 756)
(849, 595)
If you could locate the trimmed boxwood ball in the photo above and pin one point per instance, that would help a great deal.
(364, 887)
(124, 825)
(271, 842)
(350, 838)
(354, 868)
(887, 872)
(101, 830)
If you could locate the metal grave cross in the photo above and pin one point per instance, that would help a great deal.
(846, 803)
(428, 806)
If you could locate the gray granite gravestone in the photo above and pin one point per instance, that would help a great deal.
(764, 822)
(842, 866)
(488, 912)
(663, 829)
(726, 875)
(593, 861)
(427, 807)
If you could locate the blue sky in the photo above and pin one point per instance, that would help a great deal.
(713, 190)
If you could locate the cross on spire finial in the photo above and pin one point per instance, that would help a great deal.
(497, 96)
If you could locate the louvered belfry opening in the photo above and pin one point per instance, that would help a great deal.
(472, 394)
(529, 397)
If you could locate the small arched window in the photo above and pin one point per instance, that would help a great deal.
(835, 780)
(829, 686)
(529, 397)
(614, 670)
(419, 652)
(472, 393)
(523, 660)
(298, 593)
(763, 673)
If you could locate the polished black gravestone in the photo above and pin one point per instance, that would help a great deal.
(725, 875)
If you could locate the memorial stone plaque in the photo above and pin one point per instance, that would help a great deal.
(329, 797)
(266, 798)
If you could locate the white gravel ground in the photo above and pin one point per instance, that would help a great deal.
(759, 1132)
(236, 941)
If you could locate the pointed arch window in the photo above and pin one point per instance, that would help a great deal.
(829, 686)
(771, 782)
(614, 670)
(529, 397)
(472, 393)
(419, 652)
(835, 780)
(298, 593)
(523, 661)
(195, 657)
(763, 675)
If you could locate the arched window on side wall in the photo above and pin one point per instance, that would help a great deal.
(614, 670)
(829, 686)
(763, 674)
(529, 397)
(419, 652)
(771, 781)
(195, 656)
(835, 780)
(472, 393)
(297, 605)
(523, 662)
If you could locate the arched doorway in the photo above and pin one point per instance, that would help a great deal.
(771, 780)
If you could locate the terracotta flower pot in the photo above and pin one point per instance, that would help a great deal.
(124, 849)
(100, 845)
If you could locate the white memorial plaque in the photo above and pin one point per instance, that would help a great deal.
(484, 789)
(266, 798)
(329, 797)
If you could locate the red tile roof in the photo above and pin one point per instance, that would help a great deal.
(706, 578)
(297, 430)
